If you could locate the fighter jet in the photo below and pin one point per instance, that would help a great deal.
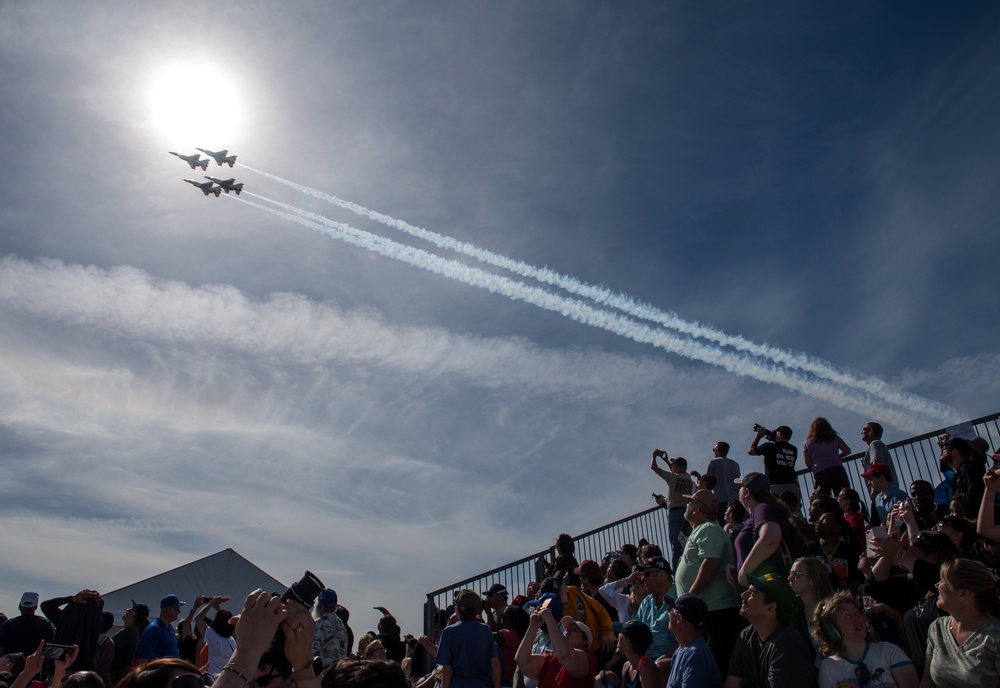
(194, 160)
(227, 185)
(206, 187)
(220, 156)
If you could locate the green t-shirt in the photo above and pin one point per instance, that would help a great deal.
(707, 541)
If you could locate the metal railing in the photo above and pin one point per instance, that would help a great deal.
(914, 458)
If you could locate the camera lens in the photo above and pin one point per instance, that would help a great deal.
(305, 590)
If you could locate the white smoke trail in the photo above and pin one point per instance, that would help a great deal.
(595, 317)
(790, 359)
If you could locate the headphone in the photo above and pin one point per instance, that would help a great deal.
(829, 630)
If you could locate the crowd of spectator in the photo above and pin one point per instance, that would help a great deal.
(754, 587)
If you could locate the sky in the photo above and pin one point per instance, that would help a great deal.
(803, 198)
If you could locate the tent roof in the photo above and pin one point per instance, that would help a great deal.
(222, 573)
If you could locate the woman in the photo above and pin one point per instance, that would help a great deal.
(823, 453)
(850, 503)
(910, 599)
(810, 581)
(764, 544)
(375, 651)
(639, 670)
(626, 604)
(513, 625)
(571, 664)
(851, 658)
(964, 649)
(218, 635)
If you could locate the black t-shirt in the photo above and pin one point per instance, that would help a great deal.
(779, 461)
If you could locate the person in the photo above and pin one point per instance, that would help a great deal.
(693, 665)
(850, 503)
(638, 670)
(158, 640)
(494, 602)
(591, 580)
(257, 661)
(771, 652)
(513, 625)
(586, 609)
(702, 572)
(964, 648)
(851, 657)
(375, 651)
(219, 635)
(389, 633)
(736, 516)
(871, 435)
(566, 555)
(22, 633)
(969, 465)
(678, 484)
(570, 664)
(467, 650)
(824, 452)
(839, 555)
(33, 665)
(105, 653)
(126, 641)
(655, 612)
(926, 511)
(885, 495)
(355, 673)
(330, 640)
(810, 580)
(725, 471)
(767, 543)
(626, 604)
(779, 459)
(77, 619)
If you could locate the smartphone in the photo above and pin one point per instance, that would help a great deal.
(877, 531)
(53, 651)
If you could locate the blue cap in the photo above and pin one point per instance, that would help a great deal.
(550, 600)
(171, 601)
(328, 598)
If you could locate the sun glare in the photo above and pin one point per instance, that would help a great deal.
(195, 105)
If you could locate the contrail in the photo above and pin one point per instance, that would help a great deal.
(595, 317)
(626, 304)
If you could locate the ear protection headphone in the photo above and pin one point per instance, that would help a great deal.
(829, 630)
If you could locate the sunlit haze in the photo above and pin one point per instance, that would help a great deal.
(195, 103)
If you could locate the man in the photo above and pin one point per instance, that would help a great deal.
(25, 632)
(779, 459)
(77, 619)
(693, 665)
(126, 641)
(725, 471)
(495, 602)
(330, 640)
(467, 652)
(771, 652)
(159, 640)
(655, 612)
(871, 434)
(969, 464)
(678, 484)
(885, 495)
(702, 572)
(925, 510)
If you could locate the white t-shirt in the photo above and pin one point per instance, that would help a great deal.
(219, 650)
(877, 663)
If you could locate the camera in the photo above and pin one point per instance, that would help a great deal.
(769, 434)
(305, 590)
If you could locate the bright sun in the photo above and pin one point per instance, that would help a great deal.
(195, 105)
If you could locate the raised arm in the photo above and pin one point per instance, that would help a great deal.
(986, 524)
(529, 664)
(656, 469)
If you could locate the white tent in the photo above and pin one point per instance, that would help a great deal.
(222, 573)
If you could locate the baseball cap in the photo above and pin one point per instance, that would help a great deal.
(777, 590)
(877, 469)
(568, 621)
(29, 600)
(549, 600)
(588, 568)
(706, 500)
(469, 601)
(328, 598)
(171, 601)
(680, 461)
(496, 589)
(756, 482)
(657, 563)
(690, 606)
